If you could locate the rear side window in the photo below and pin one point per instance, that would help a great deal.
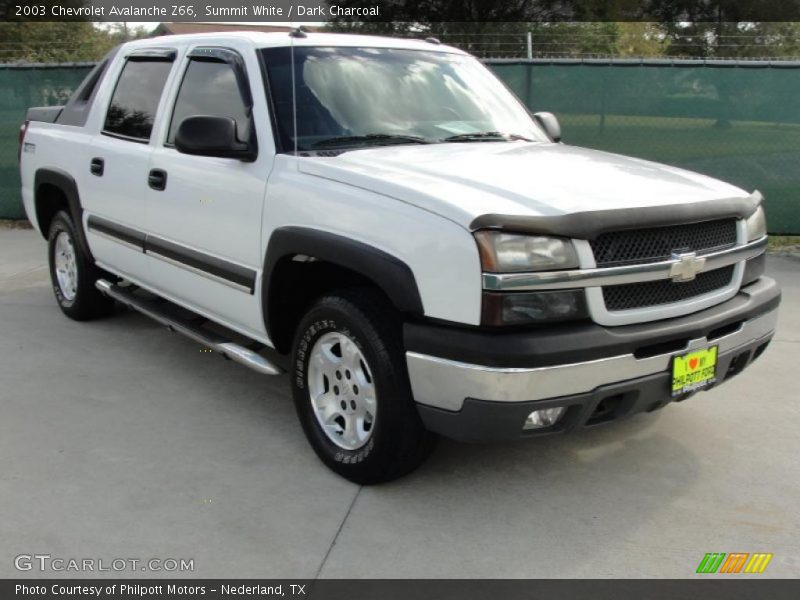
(209, 88)
(76, 112)
(135, 100)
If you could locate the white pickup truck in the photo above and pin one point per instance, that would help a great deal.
(385, 221)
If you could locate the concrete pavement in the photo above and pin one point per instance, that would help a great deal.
(121, 440)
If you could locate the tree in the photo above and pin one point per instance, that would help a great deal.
(574, 39)
(726, 28)
(498, 29)
(641, 40)
(682, 28)
(509, 39)
(75, 41)
(508, 11)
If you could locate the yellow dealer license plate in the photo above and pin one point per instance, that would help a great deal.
(694, 371)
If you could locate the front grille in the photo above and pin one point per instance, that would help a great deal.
(664, 291)
(638, 246)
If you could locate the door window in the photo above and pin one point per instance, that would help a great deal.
(209, 88)
(133, 105)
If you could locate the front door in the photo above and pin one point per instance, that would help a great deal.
(204, 213)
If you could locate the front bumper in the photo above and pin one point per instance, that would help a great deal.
(481, 386)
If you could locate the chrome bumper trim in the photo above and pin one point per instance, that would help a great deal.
(579, 278)
(445, 384)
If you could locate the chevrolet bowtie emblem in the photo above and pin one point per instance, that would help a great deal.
(687, 266)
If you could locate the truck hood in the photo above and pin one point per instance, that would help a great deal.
(521, 180)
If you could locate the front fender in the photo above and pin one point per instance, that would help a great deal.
(389, 273)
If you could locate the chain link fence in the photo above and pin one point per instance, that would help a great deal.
(736, 120)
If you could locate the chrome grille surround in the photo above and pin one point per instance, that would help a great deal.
(666, 297)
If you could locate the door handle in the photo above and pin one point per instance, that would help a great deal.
(157, 179)
(97, 166)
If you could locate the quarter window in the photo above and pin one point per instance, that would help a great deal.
(135, 100)
(209, 88)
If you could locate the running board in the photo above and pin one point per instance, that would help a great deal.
(213, 341)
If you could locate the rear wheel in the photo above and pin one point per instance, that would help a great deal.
(72, 273)
(351, 389)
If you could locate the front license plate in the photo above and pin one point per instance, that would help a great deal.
(694, 371)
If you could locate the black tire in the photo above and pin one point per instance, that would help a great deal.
(87, 301)
(399, 442)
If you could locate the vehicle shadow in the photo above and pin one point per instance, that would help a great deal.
(529, 508)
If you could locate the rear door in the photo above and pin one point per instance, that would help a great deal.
(113, 194)
(204, 214)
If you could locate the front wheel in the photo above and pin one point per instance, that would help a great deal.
(351, 389)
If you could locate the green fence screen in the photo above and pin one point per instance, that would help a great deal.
(21, 87)
(739, 121)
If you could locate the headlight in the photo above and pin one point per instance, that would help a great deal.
(514, 253)
(756, 225)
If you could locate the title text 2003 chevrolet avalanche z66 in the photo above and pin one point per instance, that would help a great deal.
(385, 221)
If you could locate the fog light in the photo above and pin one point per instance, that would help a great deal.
(545, 417)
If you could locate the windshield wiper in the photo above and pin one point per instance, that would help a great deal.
(370, 138)
(486, 136)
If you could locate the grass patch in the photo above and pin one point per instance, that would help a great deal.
(784, 243)
(15, 224)
(671, 139)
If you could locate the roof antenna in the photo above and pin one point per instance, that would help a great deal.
(299, 32)
(294, 95)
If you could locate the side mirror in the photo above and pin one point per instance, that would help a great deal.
(549, 123)
(212, 136)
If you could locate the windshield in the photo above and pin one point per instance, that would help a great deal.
(354, 97)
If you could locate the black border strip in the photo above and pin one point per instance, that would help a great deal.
(149, 244)
(120, 232)
(347, 12)
(203, 262)
(707, 587)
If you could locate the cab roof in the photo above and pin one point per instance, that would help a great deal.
(258, 39)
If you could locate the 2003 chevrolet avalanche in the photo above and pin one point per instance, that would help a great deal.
(385, 221)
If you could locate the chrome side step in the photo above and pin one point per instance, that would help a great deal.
(215, 342)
